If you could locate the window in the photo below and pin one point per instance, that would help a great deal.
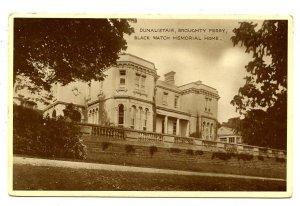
(231, 139)
(137, 81)
(165, 98)
(145, 120)
(122, 78)
(203, 130)
(140, 118)
(121, 115)
(133, 115)
(176, 101)
(224, 139)
(207, 104)
(174, 128)
(211, 131)
(143, 80)
(207, 131)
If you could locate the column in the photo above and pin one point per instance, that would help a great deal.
(166, 125)
(187, 129)
(177, 126)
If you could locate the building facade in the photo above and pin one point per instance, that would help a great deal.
(229, 135)
(134, 96)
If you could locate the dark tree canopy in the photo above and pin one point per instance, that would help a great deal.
(72, 113)
(267, 71)
(49, 50)
(263, 98)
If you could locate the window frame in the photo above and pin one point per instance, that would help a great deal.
(165, 98)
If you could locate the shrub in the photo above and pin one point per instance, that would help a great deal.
(221, 155)
(279, 159)
(105, 145)
(199, 152)
(261, 158)
(174, 150)
(35, 135)
(129, 149)
(152, 150)
(245, 156)
(190, 152)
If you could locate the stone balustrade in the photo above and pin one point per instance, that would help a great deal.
(168, 140)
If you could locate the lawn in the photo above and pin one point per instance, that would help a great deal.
(28, 177)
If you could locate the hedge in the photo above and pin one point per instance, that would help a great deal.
(45, 137)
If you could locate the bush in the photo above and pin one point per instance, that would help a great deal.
(221, 155)
(129, 149)
(174, 150)
(199, 152)
(261, 158)
(105, 145)
(245, 156)
(152, 150)
(35, 135)
(190, 152)
(279, 159)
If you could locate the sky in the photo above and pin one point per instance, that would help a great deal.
(217, 63)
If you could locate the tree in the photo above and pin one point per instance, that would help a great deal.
(263, 98)
(71, 113)
(55, 50)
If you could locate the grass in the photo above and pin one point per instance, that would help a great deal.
(28, 177)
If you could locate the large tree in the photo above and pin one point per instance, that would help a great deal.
(263, 98)
(62, 50)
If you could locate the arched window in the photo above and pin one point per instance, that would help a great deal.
(146, 118)
(93, 116)
(203, 130)
(54, 114)
(140, 118)
(211, 131)
(90, 116)
(96, 116)
(207, 131)
(121, 115)
(133, 116)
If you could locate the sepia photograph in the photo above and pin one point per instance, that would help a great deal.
(139, 106)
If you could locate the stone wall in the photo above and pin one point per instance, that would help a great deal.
(125, 149)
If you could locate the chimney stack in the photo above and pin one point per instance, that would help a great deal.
(170, 77)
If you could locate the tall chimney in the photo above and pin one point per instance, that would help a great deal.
(170, 77)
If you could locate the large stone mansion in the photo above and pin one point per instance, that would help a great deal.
(133, 96)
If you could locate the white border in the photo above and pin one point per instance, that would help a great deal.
(131, 6)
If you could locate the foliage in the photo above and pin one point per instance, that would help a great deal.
(199, 152)
(129, 149)
(152, 150)
(35, 135)
(263, 98)
(71, 113)
(103, 116)
(279, 159)
(50, 50)
(190, 152)
(105, 145)
(221, 155)
(245, 156)
(174, 150)
(261, 158)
